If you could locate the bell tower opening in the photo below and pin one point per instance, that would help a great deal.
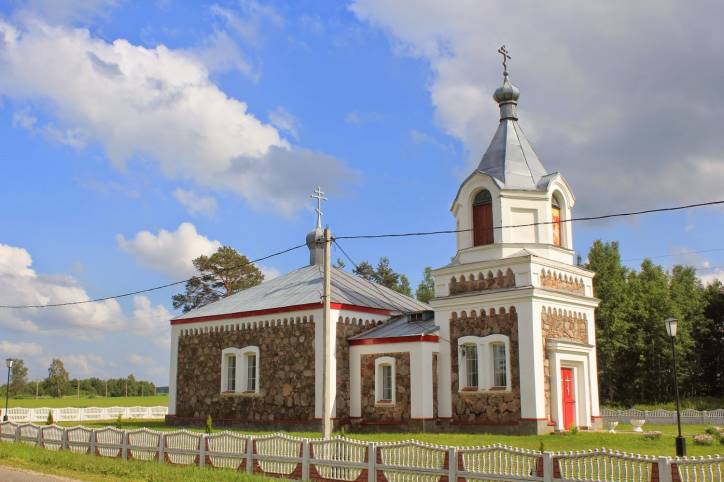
(556, 221)
(483, 218)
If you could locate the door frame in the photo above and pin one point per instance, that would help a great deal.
(565, 354)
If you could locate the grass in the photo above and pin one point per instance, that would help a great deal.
(622, 441)
(697, 403)
(89, 467)
(71, 401)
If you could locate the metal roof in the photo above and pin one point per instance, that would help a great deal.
(511, 160)
(304, 286)
(402, 325)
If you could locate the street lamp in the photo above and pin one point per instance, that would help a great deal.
(671, 326)
(9, 362)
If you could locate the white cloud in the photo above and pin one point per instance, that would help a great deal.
(140, 360)
(21, 285)
(708, 277)
(195, 203)
(269, 273)
(285, 121)
(357, 118)
(85, 365)
(9, 349)
(151, 322)
(606, 99)
(169, 252)
(159, 104)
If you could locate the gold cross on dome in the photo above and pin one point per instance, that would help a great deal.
(506, 56)
(319, 196)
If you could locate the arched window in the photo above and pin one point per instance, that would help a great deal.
(556, 218)
(385, 391)
(240, 370)
(484, 363)
(483, 218)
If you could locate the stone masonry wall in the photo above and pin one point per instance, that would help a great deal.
(286, 374)
(400, 411)
(486, 407)
(561, 325)
(344, 331)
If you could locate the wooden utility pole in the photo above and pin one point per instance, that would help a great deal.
(78, 389)
(126, 387)
(328, 397)
(37, 388)
(106, 388)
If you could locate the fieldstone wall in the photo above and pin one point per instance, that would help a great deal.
(559, 281)
(286, 374)
(482, 282)
(376, 413)
(434, 385)
(561, 325)
(487, 407)
(346, 329)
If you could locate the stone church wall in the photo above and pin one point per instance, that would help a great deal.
(486, 407)
(286, 375)
(378, 413)
(346, 329)
(560, 325)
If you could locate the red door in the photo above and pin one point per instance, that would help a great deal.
(482, 224)
(569, 397)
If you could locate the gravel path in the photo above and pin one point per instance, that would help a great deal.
(19, 475)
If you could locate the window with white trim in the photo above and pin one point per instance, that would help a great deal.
(240, 370)
(484, 363)
(385, 380)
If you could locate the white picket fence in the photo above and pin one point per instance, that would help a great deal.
(343, 459)
(689, 416)
(74, 414)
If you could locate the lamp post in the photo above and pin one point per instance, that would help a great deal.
(9, 362)
(671, 326)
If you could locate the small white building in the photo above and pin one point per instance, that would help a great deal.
(507, 344)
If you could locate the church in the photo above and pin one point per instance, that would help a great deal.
(506, 345)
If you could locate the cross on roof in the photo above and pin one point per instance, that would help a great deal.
(506, 56)
(319, 196)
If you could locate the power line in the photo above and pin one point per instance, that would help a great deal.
(539, 223)
(155, 288)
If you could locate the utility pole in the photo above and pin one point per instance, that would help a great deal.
(106, 388)
(37, 388)
(328, 398)
(79, 389)
(126, 387)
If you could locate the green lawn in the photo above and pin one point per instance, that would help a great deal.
(151, 401)
(623, 441)
(88, 467)
(697, 403)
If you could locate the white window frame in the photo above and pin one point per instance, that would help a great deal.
(486, 368)
(241, 356)
(379, 363)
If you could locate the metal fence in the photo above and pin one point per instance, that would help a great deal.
(704, 417)
(74, 414)
(343, 459)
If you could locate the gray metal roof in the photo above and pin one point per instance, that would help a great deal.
(304, 286)
(511, 160)
(403, 325)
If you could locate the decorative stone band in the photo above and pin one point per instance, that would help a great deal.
(560, 281)
(483, 314)
(481, 282)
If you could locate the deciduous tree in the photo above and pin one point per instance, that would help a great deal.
(57, 377)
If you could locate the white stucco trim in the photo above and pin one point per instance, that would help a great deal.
(242, 369)
(578, 357)
(173, 371)
(379, 383)
(421, 393)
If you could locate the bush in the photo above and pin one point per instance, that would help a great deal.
(50, 420)
(715, 432)
(573, 430)
(651, 435)
(209, 424)
(119, 421)
(703, 439)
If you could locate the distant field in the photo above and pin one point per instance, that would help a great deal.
(698, 403)
(90, 402)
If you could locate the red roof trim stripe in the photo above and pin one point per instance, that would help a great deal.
(281, 309)
(395, 339)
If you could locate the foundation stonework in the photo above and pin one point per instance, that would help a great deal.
(285, 395)
(490, 407)
(377, 413)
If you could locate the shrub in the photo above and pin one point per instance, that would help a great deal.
(651, 435)
(119, 421)
(50, 420)
(573, 430)
(209, 425)
(541, 447)
(703, 439)
(715, 432)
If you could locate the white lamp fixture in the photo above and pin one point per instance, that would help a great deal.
(9, 362)
(671, 325)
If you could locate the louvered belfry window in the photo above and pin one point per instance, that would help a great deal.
(483, 218)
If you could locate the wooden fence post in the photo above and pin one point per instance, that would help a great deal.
(64, 440)
(250, 454)
(305, 459)
(452, 462)
(92, 442)
(161, 448)
(371, 462)
(124, 445)
(547, 467)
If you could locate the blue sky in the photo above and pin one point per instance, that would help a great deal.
(137, 135)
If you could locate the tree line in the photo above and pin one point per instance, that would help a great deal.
(58, 384)
(634, 351)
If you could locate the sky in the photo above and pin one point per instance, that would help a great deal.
(135, 136)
